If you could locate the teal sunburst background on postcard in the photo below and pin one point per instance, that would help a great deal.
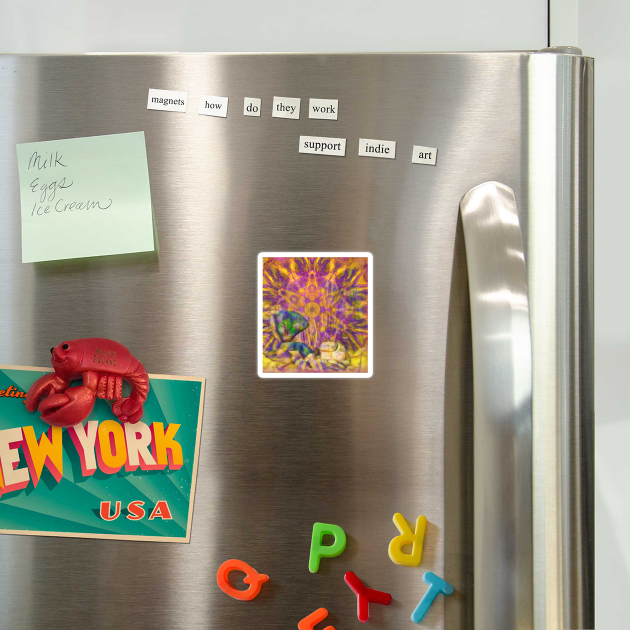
(72, 505)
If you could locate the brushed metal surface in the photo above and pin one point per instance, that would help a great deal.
(502, 368)
(276, 455)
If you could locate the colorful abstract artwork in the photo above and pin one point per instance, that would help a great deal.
(314, 312)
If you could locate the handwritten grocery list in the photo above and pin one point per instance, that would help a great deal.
(85, 197)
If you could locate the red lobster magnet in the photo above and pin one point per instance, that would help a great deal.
(103, 364)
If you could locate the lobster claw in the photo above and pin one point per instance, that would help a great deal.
(68, 408)
(128, 410)
(43, 386)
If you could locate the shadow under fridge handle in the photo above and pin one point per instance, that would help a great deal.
(502, 374)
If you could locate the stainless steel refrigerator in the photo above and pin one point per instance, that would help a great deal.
(479, 411)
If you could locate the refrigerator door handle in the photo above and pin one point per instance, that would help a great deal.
(502, 374)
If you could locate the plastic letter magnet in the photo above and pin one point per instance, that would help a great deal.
(436, 586)
(252, 577)
(365, 596)
(319, 551)
(308, 623)
(407, 537)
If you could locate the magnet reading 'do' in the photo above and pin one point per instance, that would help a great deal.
(102, 364)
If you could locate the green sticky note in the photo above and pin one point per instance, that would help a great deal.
(85, 197)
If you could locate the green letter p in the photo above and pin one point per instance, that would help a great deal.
(319, 551)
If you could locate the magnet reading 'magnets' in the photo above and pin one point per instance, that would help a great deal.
(103, 364)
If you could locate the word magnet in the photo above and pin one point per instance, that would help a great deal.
(365, 595)
(323, 108)
(251, 106)
(322, 146)
(252, 577)
(213, 105)
(319, 550)
(424, 155)
(377, 148)
(285, 107)
(167, 100)
(407, 537)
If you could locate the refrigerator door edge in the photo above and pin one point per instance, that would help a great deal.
(558, 209)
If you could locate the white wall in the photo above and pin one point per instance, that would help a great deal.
(260, 25)
(604, 29)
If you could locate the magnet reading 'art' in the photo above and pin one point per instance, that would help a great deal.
(252, 577)
(102, 364)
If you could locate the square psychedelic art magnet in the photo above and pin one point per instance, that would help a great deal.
(315, 314)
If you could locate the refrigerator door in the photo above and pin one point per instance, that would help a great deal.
(278, 455)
